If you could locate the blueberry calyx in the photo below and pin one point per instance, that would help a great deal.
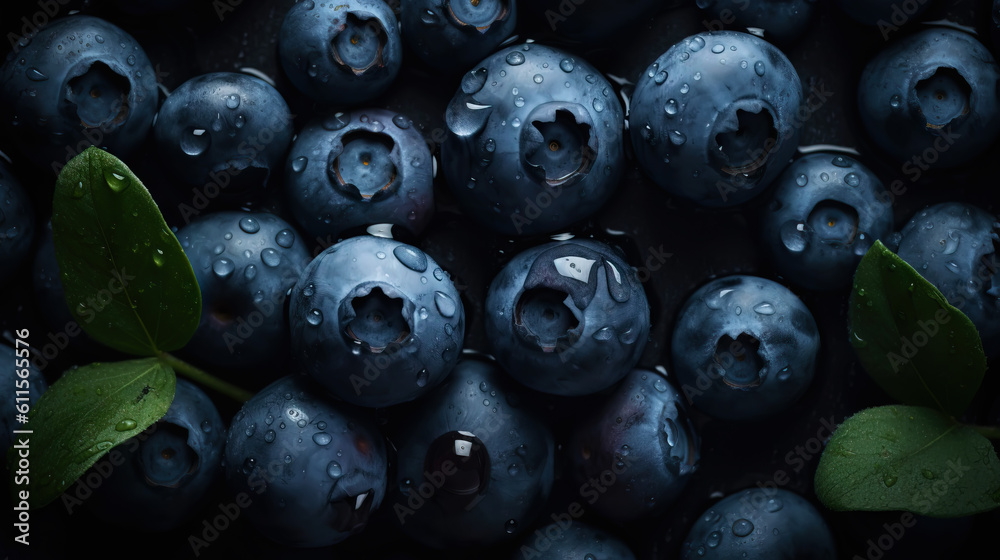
(943, 97)
(376, 316)
(559, 146)
(365, 165)
(359, 45)
(480, 14)
(99, 95)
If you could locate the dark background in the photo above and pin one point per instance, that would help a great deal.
(704, 244)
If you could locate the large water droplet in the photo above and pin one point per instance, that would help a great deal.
(411, 258)
(333, 470)
(195, 141)
(566, 65)
(322, 438)
(515, 59)
(35, 75)
(671, 107)
(314, 317)
(445, 304)
(742, 527)
(764, 308)
(285, 238)
(758, 67)
(233, 101)
(117, 181)
(249, 225)
(299, 164)
(270, 257)
(223, 268)
(793, 236)
(125, 425)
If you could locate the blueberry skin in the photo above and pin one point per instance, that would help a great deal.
(162, 475)
(376, 321)
(769, 524)
(490, 464)
(357, 169)
(953, 245)
(933, 91)
(577, 541)
(453, 35)
(825, 212)
(744, 348)
(34, 384)
(314, 470)
(593, 20)
(525, 154)
(888, 15)
(652, 455)
(716, 125)
(245, 264)
(784, 21)
(17, 224)
(47, 91)
(223, 122)
(319, 53)
(567, 318)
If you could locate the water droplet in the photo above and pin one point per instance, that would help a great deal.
(422, 376)
(852, 179)
(824, 176)
(269, 436)
(515, 59)
(773, 505)
(333, 470)
(758, 67)
(660, 385)
(606, 333)
(718, 48)
(889, 480)
(793, 236)
(696, 44)
(322, 438)
(445, 305)
(742, 527)
(685, 88)
(336, 122)
(223, 267)
(513, 469)
(953, 267)
(566, 65)
(285, 238)
(251, 429)
(538, 78)
(314, 317)
(713, 540)
(249, 225)
(158, 258)
(411, 258)
(660, 77)
(677, 138)
(125, 425)
(35, 75)
(270, 257)
(130, 60)
(309, 290)
(510, 526)
(380, 255)
(299, 164)
(206, 426)
(764, 308)
(895, 101)
(671, 107)
(598, 105)
(784, 374)
(233, 101)
(117, 181)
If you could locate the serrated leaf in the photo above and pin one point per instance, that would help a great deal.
(920, 349)
(908, 458)
(126, 278)
(86, 413)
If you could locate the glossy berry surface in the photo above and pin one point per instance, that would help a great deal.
(930, 99)
(760, 524)
(825, 212)
(376, 321)
(165, 471)
(17, 223)
(80, 81)
(572, 540)
(744, 348)
(314, 470)
(474, 468)
(636, 468)
(713, 119)
(341, 53)
(367, 167)
(783, 21)
(453, 35)
(954, 246)
(534, 140)
(567, 318)
(224, 123)
(245, 264)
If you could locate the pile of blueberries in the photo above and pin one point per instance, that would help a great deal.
(552, 279)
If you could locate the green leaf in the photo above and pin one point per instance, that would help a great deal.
(908, 458)
(126, 278)
(918, 348)
(86, 413)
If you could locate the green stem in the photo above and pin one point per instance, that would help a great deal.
(990, 432)
(204, 378)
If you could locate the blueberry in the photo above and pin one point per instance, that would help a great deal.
(32, 383)
(473, 468)
(534, 141)
(223, 123)
(245, 264)
(760, 524)
(783, 21)
(376, 321)
(315, 470)
(651, 454)
(567, 318)
(744, 348)
(713, 119)
(356, 169)
(590, 21)
(17, 224)
(79, 81)
(157, 479)
(888, 15)
(451, 36)
(574, 542)
(341, 53)
(931, 98)
(825, 212)
(954, 246)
